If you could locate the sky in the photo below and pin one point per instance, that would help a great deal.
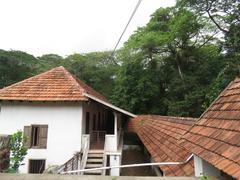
(65, 27)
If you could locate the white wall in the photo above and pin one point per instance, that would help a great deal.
(64, 128)
(111, 143)
(201, 167)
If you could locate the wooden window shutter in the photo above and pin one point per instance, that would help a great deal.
(27, 133)
(43, 136)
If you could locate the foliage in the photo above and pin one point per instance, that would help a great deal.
(15, 66)
(47, 62)
(230, 70)
(18, 151)
(223, 13)
(175, 65)
(96, 69)
(205, 177)
(163, 64)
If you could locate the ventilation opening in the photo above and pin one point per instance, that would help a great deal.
(36, 166)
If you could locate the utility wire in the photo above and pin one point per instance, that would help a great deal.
(131, 17)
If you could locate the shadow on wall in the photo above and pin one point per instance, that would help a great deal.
(4, 153)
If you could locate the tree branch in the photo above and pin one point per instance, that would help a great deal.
(208, 39)
(218, 26)
(208, 8)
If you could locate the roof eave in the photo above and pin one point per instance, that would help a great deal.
(109, 105)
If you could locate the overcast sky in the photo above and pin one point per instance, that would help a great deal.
(70, 26)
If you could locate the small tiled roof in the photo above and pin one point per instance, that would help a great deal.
(54, 85)
(216, 135)
(160, 134)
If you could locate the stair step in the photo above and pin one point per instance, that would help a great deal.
(95, 160)
(95, 172)
(95, 155)
(96, 151)
(88, 166)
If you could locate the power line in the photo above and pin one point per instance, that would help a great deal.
(131, 17)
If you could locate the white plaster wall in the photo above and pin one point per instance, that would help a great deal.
(64, 128)
(202, 167)
(210, 170)
(111, 144)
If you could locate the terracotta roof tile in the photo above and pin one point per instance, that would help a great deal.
(216, 135)
(159, 135)
(54, 85)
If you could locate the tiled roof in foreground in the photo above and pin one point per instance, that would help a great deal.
(54, 85)
(160, 134)
(216, 135)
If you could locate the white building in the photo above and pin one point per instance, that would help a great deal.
(60, 115)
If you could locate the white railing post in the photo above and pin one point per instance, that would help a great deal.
(85, 154)
(104, 158)
(115, 129)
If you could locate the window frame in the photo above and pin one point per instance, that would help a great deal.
(40, 159)
(39, 137)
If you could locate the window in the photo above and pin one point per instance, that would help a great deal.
(36, 166)
(36, 136)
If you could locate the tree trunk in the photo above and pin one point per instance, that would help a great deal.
(179, 67)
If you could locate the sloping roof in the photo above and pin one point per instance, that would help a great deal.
(160, 134)
(54, 85)
(110, 105)
(216, 135)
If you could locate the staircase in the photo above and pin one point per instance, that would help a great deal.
(88, 158)
(95, 160)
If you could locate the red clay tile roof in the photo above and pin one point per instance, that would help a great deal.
(216, 135)
(55, 85)
(160, 134)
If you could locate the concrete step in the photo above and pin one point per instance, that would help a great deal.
(89, 166)
(95, 160)
(95, 151)
(95, 155)
(95, 172)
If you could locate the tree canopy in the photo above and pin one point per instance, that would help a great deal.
(176, 64)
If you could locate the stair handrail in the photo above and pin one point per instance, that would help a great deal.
(85, 150)
(104, 158)
(73, 163)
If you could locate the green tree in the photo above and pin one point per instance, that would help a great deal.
(164, 63)
(225, 14)
(96, 69)
(15, 66)
(47, 62)
(18, 151)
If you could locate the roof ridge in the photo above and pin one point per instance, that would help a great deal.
(57, 84)
(29, 78)
(71, 76)
(70, 88)
(174, 117)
